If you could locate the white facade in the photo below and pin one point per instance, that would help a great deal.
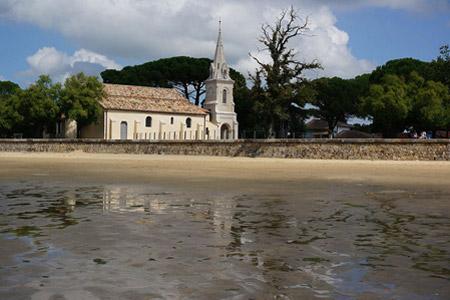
(219, 95)
(154, 126)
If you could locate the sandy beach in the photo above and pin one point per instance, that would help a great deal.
(122, 168)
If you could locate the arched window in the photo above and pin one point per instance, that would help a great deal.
(171, 120)
(188, 122)
(224, 96)
(148, 121)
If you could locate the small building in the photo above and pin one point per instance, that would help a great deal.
(318, 128)
(150, 113)
(354, 134)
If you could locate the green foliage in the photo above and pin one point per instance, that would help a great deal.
(8, 88)
(441, 66)
(39, 106)
(412, 101)
(243, 103)
(187, 74)
(401, 67)
(35, 110)
(388, 104)
(430, 107)
(335, 99)
(80, 99)
(9, 116)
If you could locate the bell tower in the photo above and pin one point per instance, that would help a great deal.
(219, 94)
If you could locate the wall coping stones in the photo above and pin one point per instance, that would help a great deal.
(265, 141)
(369, 149)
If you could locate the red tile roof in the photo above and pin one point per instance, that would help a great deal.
(147, 99)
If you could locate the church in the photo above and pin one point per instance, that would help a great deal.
(149, 113)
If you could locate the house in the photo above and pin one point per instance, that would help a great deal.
(149, 113)
(318, 128)
(354, 134)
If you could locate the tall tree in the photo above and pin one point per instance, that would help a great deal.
(80, 99)
(9, 115)
(284, 74)
(39, 106)
(243, 103)
(335, 99)
(187, 74)
(8, 88)
(403, 68)
(388, 104)
(441, 66)
(430, 103)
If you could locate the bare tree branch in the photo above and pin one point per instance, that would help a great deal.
(285, 74)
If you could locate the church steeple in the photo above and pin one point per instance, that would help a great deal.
(219, 68)
(219, 100)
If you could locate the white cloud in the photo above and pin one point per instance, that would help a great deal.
(410, 5)
(145, 30)
(2, 78)
(59, 65)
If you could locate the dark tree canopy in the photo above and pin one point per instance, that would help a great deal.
(39, 106)
(336, 99)
(401, 67)
(441, 66)
(9, 115)
(401, 102)
(8, 88)
(187, 74)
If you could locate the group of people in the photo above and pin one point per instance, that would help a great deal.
(422, 136)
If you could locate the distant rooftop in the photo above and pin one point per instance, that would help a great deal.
(319, 124)
(147, 99)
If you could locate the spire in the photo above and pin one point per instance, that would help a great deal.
(219, 57)
(219, 68)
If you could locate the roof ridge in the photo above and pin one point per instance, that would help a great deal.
(140, 86)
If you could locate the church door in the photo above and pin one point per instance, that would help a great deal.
(225, 132)
(123, 130)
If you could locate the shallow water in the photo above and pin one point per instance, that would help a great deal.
(305, 241)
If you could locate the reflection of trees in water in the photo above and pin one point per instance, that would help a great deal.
(45, 207)
(41, 207)
(257, 220)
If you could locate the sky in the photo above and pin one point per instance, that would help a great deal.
(348, 37)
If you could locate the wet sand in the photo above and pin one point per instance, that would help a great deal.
(105, 226)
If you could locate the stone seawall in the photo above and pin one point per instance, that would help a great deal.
(370, 149)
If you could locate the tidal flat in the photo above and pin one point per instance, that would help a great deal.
(104, 226)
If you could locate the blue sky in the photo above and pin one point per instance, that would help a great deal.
(381, 34)
(347, 39)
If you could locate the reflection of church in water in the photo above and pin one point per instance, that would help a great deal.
(218, 218)
(219, 211)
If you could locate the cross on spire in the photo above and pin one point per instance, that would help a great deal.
(219, 68)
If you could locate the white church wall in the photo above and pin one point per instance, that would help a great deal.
(162, 127)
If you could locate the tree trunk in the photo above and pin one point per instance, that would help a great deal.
(186, 90)
(271, 132)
